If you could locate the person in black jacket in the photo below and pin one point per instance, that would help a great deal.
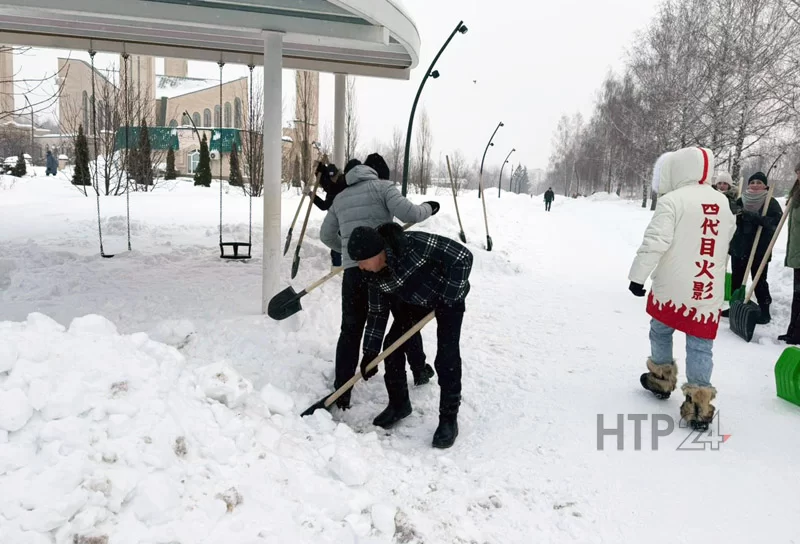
(332, 182)
(412, 274)
(549, 197)
(747, 222)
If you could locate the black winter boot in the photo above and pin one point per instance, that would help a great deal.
(447, 431)
(424, 376)
(399, 407)
(764, 318)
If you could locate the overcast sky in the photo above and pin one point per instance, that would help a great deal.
(532, 60)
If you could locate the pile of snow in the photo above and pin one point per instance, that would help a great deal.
(603, 196)
(112, 438)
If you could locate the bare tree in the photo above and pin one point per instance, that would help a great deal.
(253, 142)
(458, 169)
(307, 108)
(47, 88)
(394, 154)
(351, 120)
(422, 160)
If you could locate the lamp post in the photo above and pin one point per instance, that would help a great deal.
(500, 181)
(480, 175)
(462, 28)
(32, 127)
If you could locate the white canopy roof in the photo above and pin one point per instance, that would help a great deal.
(360, 37)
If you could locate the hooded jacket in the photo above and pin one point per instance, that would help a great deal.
(685, 246)
(367, 201)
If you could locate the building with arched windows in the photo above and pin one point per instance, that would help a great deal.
(172, 99)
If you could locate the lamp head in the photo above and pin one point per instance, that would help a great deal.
(435, 74)
(501, 124)
(463, 28)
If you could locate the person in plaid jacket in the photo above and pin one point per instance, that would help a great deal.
(411, 274)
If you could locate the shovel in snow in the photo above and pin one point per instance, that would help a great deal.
(455, 199)
(287, 302)
(744, 314)
(330, 399)
(296, 260)
(738, 294)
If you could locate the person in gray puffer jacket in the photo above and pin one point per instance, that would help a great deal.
(368, 201)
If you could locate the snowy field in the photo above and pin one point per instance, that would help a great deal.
(144, 398)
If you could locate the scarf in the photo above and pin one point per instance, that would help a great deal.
(753, 200)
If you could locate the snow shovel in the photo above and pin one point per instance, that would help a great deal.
(289, 234)
(738, 294)
(296, 260)
(287, 302)
(330, 399)
(743, 314)
(485, 218)
(453, 185)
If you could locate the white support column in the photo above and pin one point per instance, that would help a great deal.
(339, 110)
(273, 64)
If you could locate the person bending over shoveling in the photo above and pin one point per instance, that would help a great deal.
(413, 274)
(366, 201)
(685, 247)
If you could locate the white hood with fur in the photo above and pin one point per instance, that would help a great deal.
(685, 246)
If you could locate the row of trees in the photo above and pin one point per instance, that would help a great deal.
(722, 74)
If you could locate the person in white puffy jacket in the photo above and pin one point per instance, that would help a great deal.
(685, 250)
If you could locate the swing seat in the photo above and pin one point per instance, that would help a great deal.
(235, 247)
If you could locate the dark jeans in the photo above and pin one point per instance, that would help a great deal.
(448, 352)
(793, 331)
(336, 258)
(547, 205)
(355, 305)
(737, 278)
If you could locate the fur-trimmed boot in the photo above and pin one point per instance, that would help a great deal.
(697, 409)
(661, 380)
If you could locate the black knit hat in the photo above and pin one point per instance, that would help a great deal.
(759, 176)
(352, 163)
(364, 243)
(377, 163)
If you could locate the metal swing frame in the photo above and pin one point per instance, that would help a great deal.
(235, 246)
(96, 184)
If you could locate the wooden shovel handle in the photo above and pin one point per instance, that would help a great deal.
(383, 355)
(763, 264)
(758, 236)
(318, 177)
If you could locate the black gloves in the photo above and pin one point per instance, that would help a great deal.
(637, 289)
(752, 217)
(368, 357)
(434, 206)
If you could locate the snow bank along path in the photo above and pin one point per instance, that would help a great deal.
(144, 399)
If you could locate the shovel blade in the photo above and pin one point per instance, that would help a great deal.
(288, 242)
(295, 265)
(284, 304)
(320, 405)
(743, 318)
(463, 237)
(488, 243)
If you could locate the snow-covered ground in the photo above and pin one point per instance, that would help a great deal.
(145, 398)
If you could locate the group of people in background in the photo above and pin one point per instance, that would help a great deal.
(749, 212)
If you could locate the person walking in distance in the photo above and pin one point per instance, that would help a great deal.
(549, 197)
(366, 201)
(685, 249)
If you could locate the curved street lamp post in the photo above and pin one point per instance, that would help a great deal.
(500, 181)
(480, 176)
(462, 28)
